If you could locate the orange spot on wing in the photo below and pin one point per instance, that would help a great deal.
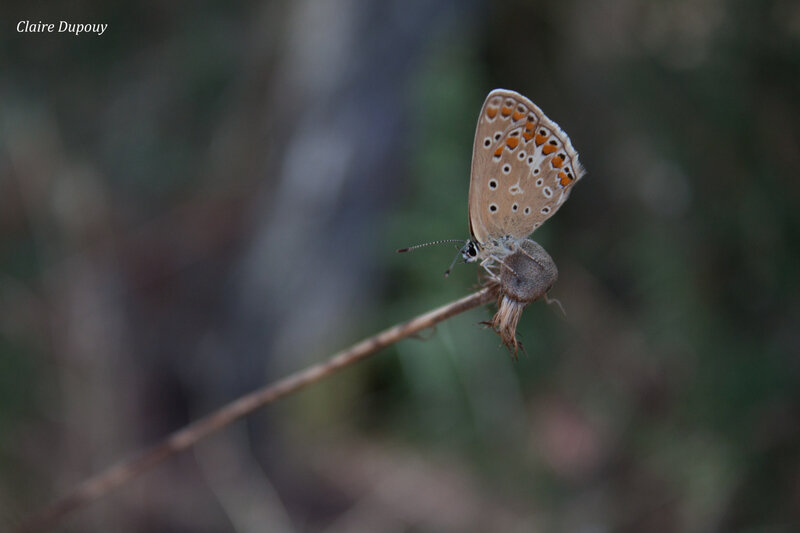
(499, 151)
(517, 115)
(512, 142)
(565, 180)
(528, 135)
(540, 139)
(491, 112)
(557, 161)
(549, 149)
(529, 126)
(505, 111)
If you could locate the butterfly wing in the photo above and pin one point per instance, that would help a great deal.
(523, 167)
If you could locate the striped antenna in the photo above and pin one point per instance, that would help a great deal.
(401, 250)
(447, 272)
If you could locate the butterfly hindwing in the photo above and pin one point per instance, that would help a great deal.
(523, 167)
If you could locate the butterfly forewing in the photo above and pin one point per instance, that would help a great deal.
(523, 167)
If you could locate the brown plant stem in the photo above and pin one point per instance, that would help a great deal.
(124, 471)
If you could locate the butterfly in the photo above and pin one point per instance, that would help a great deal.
(523, 168)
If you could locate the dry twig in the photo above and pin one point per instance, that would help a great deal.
(124, 471)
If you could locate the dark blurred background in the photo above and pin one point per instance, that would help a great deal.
(208, 196)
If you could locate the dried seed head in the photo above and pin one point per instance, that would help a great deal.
(525, 276)
(528, 274)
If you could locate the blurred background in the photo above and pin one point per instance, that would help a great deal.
(208, 197)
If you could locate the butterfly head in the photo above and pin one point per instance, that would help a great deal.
(470, 251)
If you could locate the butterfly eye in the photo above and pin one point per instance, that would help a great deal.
(472, 251)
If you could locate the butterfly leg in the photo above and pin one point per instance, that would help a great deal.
(529, 256)
(488, 265)
(549, 301)
(503, 263)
